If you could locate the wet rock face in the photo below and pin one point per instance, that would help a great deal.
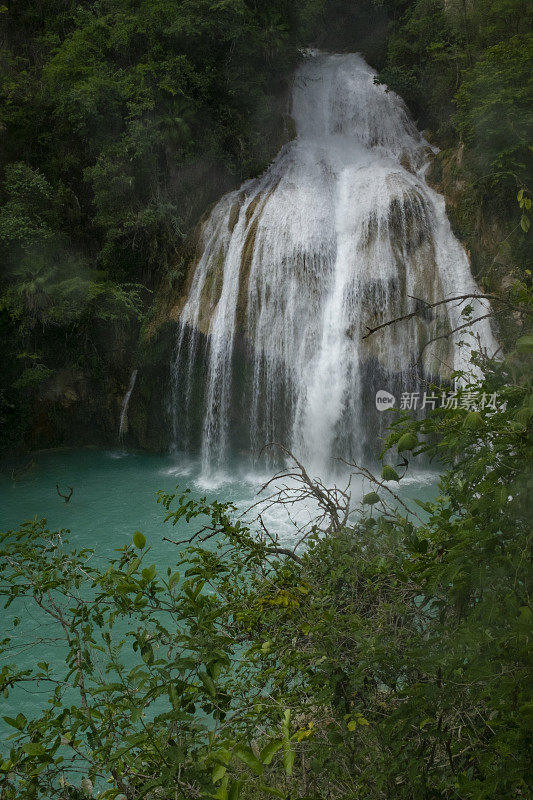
(339, 235)
(74, 408)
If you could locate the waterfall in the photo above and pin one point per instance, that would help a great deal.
(336, 236)
(123, 425)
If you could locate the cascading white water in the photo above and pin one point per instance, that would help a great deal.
(123, 424)
(335, 237)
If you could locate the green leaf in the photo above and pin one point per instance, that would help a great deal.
(222, 791)
(501, 494)
(139, 540)
(18, 723)
(147, 653)
(33, 749)
(286, 724)
(473, 421)
(428, 507)
(149, 573)
(174, 580)
(247, 755)
(526, 617)
(288, 757)
(223, 756)
(525, 223)
(208, 683)
(269, 751)
(272, 791)
(389, 474)
(525, 715)
(525, 344)
(370, 499)
(407, 442)
(235, 790)
(218, 773)
(133, 566)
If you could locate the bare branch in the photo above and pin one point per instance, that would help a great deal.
(450, 333)
(335, 503)
(284, 551)
(471, 296)
(365, 473)
(66, 497)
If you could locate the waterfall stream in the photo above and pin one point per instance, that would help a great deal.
(338, 235)
(123, 424)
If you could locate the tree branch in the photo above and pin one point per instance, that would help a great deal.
(66, 497)
(471, 296)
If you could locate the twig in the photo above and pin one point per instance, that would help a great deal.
(471, 296)
(450, 333)
(66, 497)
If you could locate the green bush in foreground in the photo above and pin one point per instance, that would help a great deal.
(389, 660)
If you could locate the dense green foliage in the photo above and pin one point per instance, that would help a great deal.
(391, 660)
(120, 122)
(464, 67)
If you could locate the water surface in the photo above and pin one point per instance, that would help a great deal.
(114, 494)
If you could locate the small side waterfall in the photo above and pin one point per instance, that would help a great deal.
(337, 236)
(123, 425)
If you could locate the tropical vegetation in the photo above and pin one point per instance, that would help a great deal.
(389, 657)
